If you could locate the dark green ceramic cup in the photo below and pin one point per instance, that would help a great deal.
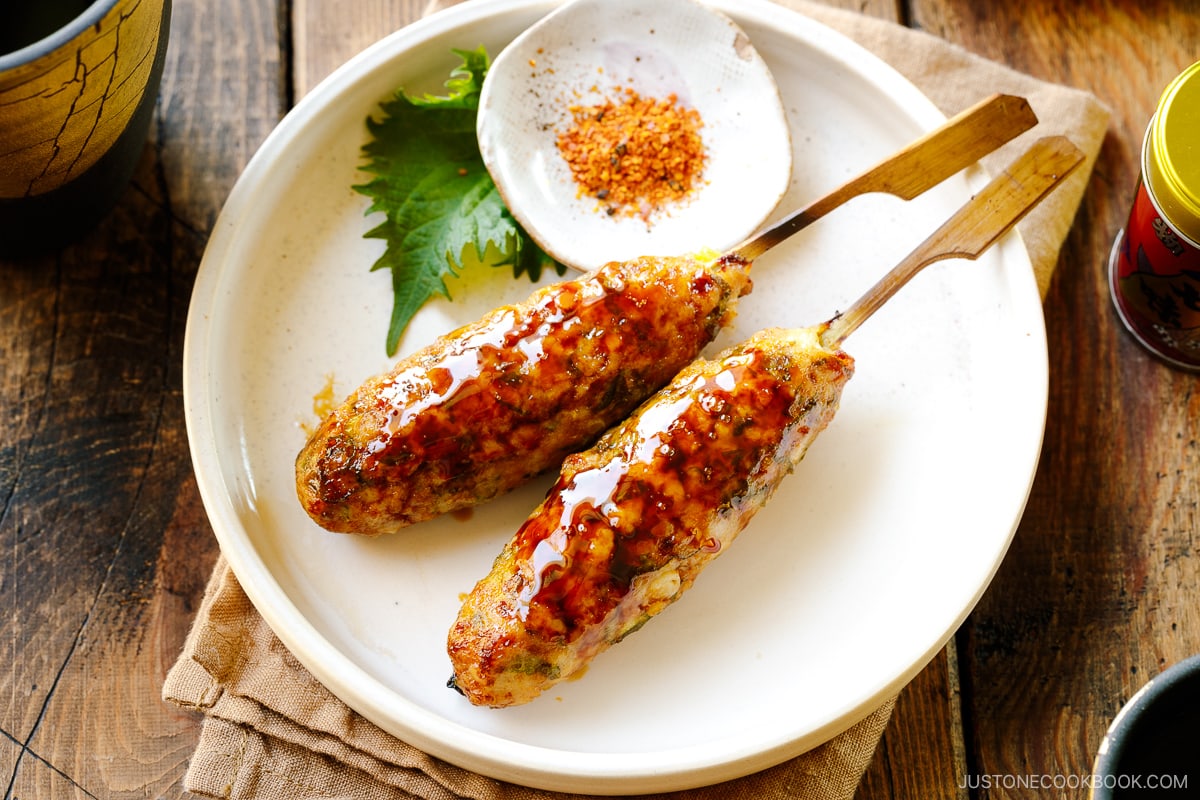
(1150, 750)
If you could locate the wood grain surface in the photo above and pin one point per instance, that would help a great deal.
(1098, 592)
(107, 547)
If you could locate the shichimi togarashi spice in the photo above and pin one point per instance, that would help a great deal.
(635, 155)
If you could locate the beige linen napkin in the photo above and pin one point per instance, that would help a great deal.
(270, 730)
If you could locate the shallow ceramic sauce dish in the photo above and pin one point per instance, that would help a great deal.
(590, 51)
(867, 559)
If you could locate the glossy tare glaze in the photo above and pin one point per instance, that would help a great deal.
(631, 522)
(494, 403)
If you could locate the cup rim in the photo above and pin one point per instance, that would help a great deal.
(60, 37)
(1115, 738)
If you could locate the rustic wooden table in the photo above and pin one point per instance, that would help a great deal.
(107, 547)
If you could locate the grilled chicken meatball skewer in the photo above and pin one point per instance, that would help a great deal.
(494, 403)
(484, 408)
(631, 522)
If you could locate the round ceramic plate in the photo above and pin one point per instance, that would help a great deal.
(868, 558)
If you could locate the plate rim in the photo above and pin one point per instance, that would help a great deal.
(493, 756)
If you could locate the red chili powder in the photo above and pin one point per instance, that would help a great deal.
(636, 155)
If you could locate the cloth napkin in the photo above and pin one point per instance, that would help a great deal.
(270, 730)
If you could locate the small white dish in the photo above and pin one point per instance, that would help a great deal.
(589, 51)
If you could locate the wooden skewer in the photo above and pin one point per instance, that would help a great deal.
(973, 229)
(950, 148)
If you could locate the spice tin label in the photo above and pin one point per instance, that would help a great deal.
(1154, 273)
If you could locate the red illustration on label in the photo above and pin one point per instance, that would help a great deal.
(1155, 276)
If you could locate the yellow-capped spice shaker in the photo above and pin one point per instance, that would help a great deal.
(1154, 267)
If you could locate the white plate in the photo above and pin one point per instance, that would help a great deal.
(865, 563)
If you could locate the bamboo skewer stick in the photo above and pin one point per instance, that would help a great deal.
(973, 229)
(959, 142)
